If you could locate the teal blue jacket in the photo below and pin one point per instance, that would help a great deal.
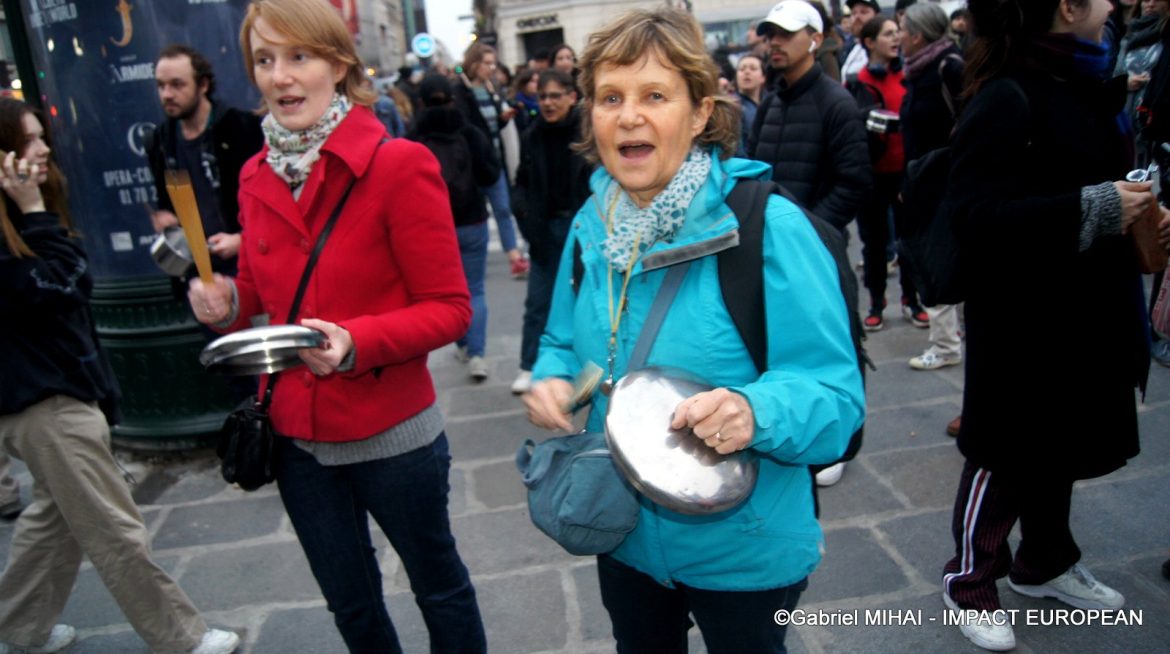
(806, 405)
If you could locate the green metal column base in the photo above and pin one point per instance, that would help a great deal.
(168, 401)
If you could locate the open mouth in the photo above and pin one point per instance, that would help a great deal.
(635, 149)
(290, 102)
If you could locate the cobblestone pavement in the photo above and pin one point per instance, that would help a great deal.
(887, 529)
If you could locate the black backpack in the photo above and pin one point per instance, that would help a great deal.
(741, 277)
(456, 166)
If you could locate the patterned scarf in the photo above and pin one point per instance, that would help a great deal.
(659, 221)
(292, 154)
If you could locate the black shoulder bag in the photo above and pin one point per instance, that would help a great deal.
(247, 441)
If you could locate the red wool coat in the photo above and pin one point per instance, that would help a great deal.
(390, 274)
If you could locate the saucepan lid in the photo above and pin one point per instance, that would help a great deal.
(672, 467)
(259, 350)
(170, 251)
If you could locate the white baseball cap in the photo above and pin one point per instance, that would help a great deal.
(792, 16)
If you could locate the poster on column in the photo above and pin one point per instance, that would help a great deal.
(95, 60)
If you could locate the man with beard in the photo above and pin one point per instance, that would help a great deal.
(855, 55)
(810, 129)
(208, 140)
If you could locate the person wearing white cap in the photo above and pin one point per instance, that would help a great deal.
(809, 129)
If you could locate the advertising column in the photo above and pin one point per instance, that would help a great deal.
(94, 62)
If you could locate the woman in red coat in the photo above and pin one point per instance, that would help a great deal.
(362, 433)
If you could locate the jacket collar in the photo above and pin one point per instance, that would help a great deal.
(788, 93)
(710, 226)
(352, 143)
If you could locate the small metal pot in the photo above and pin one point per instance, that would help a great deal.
(169, 250)
(883, 121)
(672, 467)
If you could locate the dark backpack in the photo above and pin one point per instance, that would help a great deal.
(456, 166)
(741, 277)
(930, 245)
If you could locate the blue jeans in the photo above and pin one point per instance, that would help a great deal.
(473, 244)
(541, 280)
(407, 496)
(651, 618)
(498, 197)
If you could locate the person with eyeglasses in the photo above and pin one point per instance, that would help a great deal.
(552, 183)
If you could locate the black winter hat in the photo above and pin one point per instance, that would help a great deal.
(435, 90)
(871, 3)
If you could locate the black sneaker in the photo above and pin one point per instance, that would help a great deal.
(915, 314)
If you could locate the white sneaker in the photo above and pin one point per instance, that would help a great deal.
(1076, 587)
(831, 475)
(60, 637)
(523, 383)
(991, 630)
(930, 360)
(477, 368)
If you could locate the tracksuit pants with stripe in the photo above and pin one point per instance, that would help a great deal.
(987, 505)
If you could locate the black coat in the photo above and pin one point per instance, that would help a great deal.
(927, 120)
(48, 342)
(548, 196)
(446, 122)
(1056, 340)
(235, 138)
(812, 135)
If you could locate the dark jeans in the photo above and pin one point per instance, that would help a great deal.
(652, 619)
(407, 496)
(873, 226)
(541, 280)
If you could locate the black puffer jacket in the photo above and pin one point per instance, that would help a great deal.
(811, 134)
(48, 343)
(552, 183)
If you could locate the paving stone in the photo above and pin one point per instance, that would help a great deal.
(299, 630)
(1120, 519)
(502, 541)
(247, 576)
(911, 625)
(858, 493)
(1153, 427)
(923, 540)
(499, 484)
(91, 605)
(854, 564)
(908, 427)
(523, 612)
(207, 524)
(595, 624)
(181, 484)
(491, 437)
(126, 642)
(928, 476)
(478, 400)
(894, 384)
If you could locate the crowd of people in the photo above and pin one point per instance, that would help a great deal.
(605, 174)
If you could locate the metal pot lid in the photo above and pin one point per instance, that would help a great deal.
(170, 251)
(672, 467)
(259, 350)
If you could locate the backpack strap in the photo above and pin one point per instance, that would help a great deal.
(741, 268)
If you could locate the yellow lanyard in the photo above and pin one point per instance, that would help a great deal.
(615, 317)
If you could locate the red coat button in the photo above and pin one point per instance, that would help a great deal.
(262, 246)
(307, 378)
(304, 246)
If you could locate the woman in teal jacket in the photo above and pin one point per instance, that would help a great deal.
(654, 119)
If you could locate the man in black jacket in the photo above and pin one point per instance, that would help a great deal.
(810, 129)
(208, 140)
(552, 183)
